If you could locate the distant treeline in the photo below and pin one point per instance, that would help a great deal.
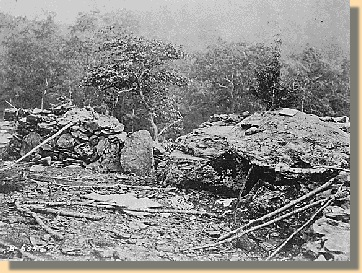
(100, 60)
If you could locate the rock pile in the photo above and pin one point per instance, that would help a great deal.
(94, 139)
(230, 153)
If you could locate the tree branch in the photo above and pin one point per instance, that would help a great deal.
(169, 126)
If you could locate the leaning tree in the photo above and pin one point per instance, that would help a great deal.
(139, 69)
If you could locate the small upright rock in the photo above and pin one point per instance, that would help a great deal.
(137, 154)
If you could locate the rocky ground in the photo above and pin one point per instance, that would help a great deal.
(118, 234)
(106, 231)
(272, 185)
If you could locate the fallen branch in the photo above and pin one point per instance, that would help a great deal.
(43, 178)
(193, 212)
(66, 213)
(107, 186)
(287, 206)
(53, 233)
(299, 229)
(258, 226)
(326, 204)
(45, 141)
(59, 203)
(40, 222)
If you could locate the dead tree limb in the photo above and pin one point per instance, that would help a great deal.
(40, 222)
(66, 213)
(193, 212)
(46, 141)
(108, 186)
(258, 226)
(287, 206)
(299, 229)
(326, 204)
(53, 233)
(58, 203)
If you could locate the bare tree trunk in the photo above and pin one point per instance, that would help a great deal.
(154, 127)
(232, 100)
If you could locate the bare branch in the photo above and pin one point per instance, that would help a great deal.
(169, 126)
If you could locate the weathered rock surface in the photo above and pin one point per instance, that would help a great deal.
(29, 142)
(137, 154)
(269, 159)
(282, 148)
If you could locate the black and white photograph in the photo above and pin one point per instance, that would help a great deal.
(169, 130)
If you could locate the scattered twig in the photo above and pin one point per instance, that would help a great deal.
(287, 206)
(326, 204)
(194, 212)
(40, 222)
(299, 229)
(110, 206)
(43, 178)
(53, 233)
(258, 226)
(108, 186)
(59, 203)
(66, 213)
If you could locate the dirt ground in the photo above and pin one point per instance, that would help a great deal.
(118, 235)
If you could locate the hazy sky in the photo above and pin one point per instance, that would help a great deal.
(196, 23)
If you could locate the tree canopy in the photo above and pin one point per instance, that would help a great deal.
(101, 60)
(137, 66)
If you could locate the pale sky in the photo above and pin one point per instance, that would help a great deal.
(194, 23)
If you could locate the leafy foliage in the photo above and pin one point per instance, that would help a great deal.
(34, 61)
(137, 66)
(142, 82)
(322, 87)
(270, 89)
(227, 70)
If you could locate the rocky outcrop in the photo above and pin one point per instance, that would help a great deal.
(230, 153)
(267, 160)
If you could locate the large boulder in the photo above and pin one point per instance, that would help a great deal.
(137, 154)
(232, 152)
